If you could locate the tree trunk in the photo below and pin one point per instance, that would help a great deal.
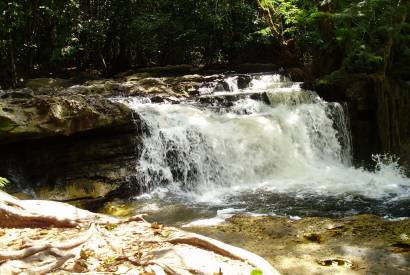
(13, 70)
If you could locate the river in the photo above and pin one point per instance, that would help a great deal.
(268, 148)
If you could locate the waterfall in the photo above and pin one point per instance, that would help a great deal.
(291, 143)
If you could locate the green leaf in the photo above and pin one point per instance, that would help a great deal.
(256, 272)
(3, 182)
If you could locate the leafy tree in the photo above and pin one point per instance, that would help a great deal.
(43, 36)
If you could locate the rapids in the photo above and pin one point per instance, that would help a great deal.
(289, 154)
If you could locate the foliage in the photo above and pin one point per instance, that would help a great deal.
(256, 272)
(358, 33)
(42, 36)
(3, 182)
(47, 35)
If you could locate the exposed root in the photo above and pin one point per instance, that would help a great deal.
(46, 249)
(225, 250)
(62, 258)
(162, 269)
(78, 241)
(106, 238)
(13, 213)
(167, 256)
(20, 254)
(194, 241)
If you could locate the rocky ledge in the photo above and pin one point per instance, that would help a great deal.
(26, 116)
(65, 145)
(67, 141)
(363, 244)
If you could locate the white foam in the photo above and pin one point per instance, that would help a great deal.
(286, 148)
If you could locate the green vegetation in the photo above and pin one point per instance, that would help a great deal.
(3, 182)
(42, 36)
(256, 272)
(356, 36)
(110, 36)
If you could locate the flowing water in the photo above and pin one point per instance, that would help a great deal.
(275, 149)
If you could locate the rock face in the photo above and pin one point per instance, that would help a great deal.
(66, 146)
(64, 141)
(379, 113)
(25, 116)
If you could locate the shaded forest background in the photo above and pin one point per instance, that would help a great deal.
(39, 37)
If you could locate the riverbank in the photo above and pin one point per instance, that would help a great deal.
(363, 244)
(39, 237)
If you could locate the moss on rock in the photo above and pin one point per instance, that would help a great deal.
(368, 243)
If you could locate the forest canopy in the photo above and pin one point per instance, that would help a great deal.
(42, 36)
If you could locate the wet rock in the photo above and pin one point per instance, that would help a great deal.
(191, 78)
(66, 146)
(297, 74)
(70, 142)
(157, 99)
(314, 237)
(118, 209)
(136, 77)
(244, 81)
(85, 165)
(222, 86)
(260, 96)
(75, 190)
(217, 101)
(336, 262)
(23, 93)
(44, 116)
(47, 83)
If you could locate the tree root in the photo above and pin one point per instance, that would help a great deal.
(225, 250)
(13, 213)
(24, 253)
(44, 258)
(20, 254)
(61, 259)
(47, 249)
(78, 241)
(162, 269)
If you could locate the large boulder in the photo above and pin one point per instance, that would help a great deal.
(45, 116)
(66, 147)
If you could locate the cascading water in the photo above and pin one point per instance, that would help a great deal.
(291, 156)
